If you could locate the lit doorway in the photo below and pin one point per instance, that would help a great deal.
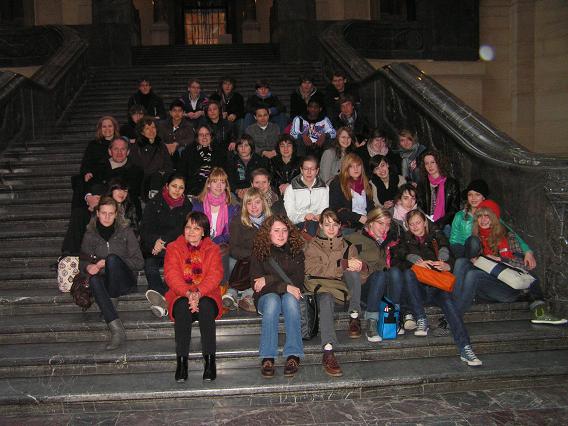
(205, 21)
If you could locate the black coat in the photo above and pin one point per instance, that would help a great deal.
(299, 107)
(130, 173)
(152, 103)
(159, 221)
(272, 102)
(342, 206)
(360, 127)
(283, 172)
(452, 199)
(95, 157)
(393, 159)
(385, 194)
(409, 244)
(232, 104)
(223, 133)
(332, 98)
(196, 169)
(154, 159)
(239, 173)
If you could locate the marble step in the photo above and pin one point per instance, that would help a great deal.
(22, 230)
(39, 196)
(63, 321)
(241, 350)
(31, 247)
(68, 169)
(245, 388)
(27, 212)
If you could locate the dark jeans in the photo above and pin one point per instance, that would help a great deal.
(421, 294)
(310, 226)
(152, 265)
(80, 217)
(183, 320)
(377, 285)
(117, 280)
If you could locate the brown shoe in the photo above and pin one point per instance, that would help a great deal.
(247, 304)
(354, 328)
(331, 365)
(267, 368)
(292, 366)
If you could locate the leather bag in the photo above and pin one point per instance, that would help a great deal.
(81, 291)
(240, 276)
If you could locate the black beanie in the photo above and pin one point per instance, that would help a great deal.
(477, 185)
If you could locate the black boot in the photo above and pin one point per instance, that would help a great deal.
(210, 369)
(181, 370)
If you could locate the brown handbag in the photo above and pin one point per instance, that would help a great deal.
(240, 276)
(443, 280)
(81, 291)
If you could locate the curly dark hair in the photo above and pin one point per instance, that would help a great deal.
(441, 161)
(262, 244)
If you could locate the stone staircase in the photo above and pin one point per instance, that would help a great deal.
(51, 354)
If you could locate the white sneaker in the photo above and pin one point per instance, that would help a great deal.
(230, 302)
(421, 327)
(159, 304)
(467, 355)
(409, 322)
(372, 333)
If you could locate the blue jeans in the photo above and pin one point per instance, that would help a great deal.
(379, 283)
(464, 289)
(419, 294)
(270, 306)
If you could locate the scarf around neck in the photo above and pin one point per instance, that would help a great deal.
(400, 213)
(408, 156)
(171, 202)
(440, 209)
(503, 247)
(357, 185)
(105, 231)
(257, 221)
(223, 215)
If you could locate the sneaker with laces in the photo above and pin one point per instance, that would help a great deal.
(542, 315)
(467, 355)
(330, 364)
(421, 327)
(354, 328)
(229, 302)
(247, 304)
(443, 328)
(292, 366)
(372, 333)
(409, 322)
(159, 304)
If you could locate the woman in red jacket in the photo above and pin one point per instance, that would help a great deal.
(193, 272)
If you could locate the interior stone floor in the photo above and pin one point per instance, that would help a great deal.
(536, 406)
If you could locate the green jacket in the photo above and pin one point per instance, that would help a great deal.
(462, 226)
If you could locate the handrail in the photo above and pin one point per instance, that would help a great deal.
(31, 107)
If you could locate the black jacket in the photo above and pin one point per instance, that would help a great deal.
(223, 133)
(159, 221)
(95, 157)
(360, 126)
(452, 200)
(409, 245)
(196, 169)
(282, 172)
(152, 103)
(239, 173)
(332, 98)
(393, 159)
(300, 107)
(340, 203)
(232, 104)
(154, 159)
(272, 102)
(184, 135)
(130, 173)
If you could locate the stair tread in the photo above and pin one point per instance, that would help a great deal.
(247, 381)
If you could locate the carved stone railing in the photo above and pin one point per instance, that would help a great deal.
(21, 47)
(532, 188)
(31, 107)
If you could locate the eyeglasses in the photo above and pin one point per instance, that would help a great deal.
(309, 169)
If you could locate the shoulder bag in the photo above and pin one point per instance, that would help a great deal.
(442, 280)
(514, 277)
(308, 305)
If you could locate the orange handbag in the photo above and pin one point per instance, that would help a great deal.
(442, 280)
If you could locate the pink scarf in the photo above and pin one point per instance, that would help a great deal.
(440, 209)
(400, 212)
(223, 216)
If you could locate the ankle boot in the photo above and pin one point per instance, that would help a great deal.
(181, 370)
(117, 335)
(210, 369)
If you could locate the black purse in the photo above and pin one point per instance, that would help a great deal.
(240, 276)
(309, 316)
(81, 291)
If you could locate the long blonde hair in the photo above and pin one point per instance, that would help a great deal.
(251, 194)
(498, 231)
(216, 173)
(344, 177)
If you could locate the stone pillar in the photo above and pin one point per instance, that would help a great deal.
(160, 29)
(295, 29)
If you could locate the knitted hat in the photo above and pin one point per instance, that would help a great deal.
(477, 185)
(491, 205)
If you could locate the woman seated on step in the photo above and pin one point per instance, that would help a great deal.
(110, 255)
(193, 273)
(331, 263)
(385, 181)
(163, 221)
(375, 244)
(277, 274)
(215, 201)
(243, 229)
(491, 239)
(427, 247)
